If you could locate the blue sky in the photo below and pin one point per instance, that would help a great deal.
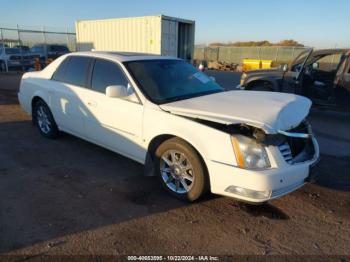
(318, 23)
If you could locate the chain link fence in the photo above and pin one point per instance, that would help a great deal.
(26, 47)
(236, 54)
(30, 36)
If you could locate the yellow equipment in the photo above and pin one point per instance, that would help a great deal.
(253, 64)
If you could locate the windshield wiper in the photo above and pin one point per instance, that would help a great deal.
(184, 97)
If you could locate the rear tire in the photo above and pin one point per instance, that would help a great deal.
(181, 170)
(44, 120)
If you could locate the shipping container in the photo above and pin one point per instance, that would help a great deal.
(160, 34)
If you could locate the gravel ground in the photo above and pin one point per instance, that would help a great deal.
(68, 196)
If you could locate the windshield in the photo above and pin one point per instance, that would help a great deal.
(164, 81)
(12, 51)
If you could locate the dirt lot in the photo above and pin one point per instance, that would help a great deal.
(68, 196)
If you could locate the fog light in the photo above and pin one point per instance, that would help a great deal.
(248, 192)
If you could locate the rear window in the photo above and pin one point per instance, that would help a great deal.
(61, 70)
(73, 70)
(329, 63)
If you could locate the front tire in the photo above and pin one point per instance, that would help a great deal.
(44, 120)
(181, 170)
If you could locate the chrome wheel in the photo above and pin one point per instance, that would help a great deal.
(43, 120)
(177, 171)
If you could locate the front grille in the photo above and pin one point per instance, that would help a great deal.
(295, 149)
(286, 152)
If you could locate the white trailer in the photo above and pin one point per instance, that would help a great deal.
(160, 34)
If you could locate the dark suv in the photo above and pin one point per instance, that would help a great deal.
(322, 75)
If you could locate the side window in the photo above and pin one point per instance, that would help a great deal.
(329, 63)
(60, 71)
(105, 74)
(77, 70)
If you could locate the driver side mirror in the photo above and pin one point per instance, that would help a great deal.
(315, 65)
(285, 67)
(116, 91)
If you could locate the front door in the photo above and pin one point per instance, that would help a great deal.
(115, 123)
(293, 78)
(342, 84)
(321, 72)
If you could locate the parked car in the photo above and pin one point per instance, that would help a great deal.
(14, 58)
(164, 113)
(49, 51)
(322, 75)
(24, 49)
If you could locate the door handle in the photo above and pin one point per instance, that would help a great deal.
(92, 103)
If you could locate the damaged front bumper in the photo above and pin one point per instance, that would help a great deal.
(257, 186)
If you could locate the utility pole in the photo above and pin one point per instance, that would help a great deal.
(2, 38)
(44, 36)
(331, 64)
(20, 48)
(67, 37)
(18, 36)
(3, 47)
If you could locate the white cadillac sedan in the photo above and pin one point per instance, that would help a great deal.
(162, 112)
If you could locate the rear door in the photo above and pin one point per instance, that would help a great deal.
(115, 123)
(342, 84)
(322, 72)
(67, 95)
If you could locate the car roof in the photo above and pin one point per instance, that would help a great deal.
(330, 51)
(122, 56)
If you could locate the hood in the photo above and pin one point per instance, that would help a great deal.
(265, 72)
(269, 111)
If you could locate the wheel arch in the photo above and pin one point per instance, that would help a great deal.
(40, 94)
(35, 100)
(157, 141)
(268, 82)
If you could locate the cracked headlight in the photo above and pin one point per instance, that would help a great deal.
(249, 153)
